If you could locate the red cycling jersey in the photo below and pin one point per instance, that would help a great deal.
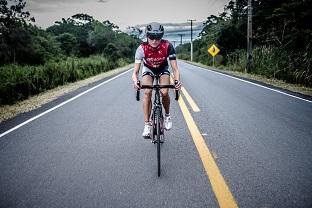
(156, 57)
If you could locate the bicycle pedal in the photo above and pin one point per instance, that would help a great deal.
(147, 137)
(155, 141)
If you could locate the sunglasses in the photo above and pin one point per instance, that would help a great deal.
(154, 37)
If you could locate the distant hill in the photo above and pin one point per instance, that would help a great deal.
(173, 31)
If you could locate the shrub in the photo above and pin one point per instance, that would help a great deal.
(19, 82)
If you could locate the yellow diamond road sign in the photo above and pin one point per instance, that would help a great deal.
(213, 50)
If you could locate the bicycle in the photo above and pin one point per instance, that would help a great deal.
(157, 115)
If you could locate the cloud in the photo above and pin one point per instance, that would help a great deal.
(177, 27)
(126, 13)
(42, 6)
(56, 1)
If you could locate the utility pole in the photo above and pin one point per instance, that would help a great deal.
(181, 38)
(249, 38)
(191, 37)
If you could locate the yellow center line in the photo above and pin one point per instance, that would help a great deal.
(189, 99)
(219, 186)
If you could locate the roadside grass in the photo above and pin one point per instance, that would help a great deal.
(19, 82)
(271, 81)
(11, 110)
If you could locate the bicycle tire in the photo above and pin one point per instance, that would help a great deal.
(158, 132)
(153, 127)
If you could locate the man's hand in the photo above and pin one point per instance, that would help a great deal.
(136, 85)
(177, 84)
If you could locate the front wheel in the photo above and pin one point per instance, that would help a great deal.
(158, 135)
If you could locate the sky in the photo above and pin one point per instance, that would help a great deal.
(125, 13)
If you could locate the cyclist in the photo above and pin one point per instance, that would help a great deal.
(154, 54)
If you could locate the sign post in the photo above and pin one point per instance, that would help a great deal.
(213, 50)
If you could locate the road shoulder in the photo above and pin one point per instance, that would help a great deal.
(298, 90)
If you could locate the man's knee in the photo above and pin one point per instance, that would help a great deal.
(165, 93)
(148, 93)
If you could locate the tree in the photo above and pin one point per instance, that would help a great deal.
(282, 35)
(112, 52)
(13, 32)
(100, 36)
(78, 25)
(19, 40)
(82, 19)
(14, 15)
(43, 49)
(111, 25)
(68, 43)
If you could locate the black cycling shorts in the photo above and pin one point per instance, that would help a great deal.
(153, 73)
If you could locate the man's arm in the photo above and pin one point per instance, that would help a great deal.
(135, 74)
(174, 65)
(139, 54)
(176, 72)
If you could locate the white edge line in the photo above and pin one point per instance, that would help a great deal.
(255, 84)
(61, 104)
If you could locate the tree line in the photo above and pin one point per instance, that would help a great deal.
(281, 39)
(80, 35)
(33, 60)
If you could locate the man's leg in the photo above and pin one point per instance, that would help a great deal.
(147, 99)
(147, 106)
(165, 80)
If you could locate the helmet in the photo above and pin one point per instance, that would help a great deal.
(154, 30)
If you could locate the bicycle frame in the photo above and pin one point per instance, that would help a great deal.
(157, 115)
(157, 111)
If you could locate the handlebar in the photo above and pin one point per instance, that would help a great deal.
(177, 93)
(138, 92)
(156, 86)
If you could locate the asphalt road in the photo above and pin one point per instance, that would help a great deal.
(89, 152)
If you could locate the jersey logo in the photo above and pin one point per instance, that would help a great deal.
(155, 57)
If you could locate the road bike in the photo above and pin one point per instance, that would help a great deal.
(157, 117)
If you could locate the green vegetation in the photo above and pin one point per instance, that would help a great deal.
(282, 37)
(33, 60)
(18, 82)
